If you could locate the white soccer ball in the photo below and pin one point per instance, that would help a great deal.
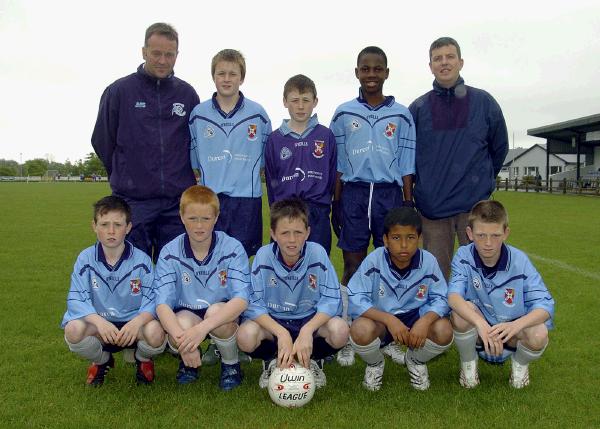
(291, 387)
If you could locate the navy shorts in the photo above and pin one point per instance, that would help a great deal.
(320, 227)
(357, 202)
(155, 223)
(409, 319)
(200, 313)
(241, 218)
(111, 348)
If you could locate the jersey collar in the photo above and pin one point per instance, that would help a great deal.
(279, 257)
(501, 265)
(415, 262)
(101, 257)
(284, 129)
(387, 102)
(237, 107)
(189, 253)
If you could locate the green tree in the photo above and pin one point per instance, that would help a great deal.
(35, 167)
(93, 165)
(8, 171)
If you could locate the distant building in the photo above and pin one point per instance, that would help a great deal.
(521, 162)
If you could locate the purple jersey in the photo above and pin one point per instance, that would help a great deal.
(302, 166)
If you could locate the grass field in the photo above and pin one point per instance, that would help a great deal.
(44, 226)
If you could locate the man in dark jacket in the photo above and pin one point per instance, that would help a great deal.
(142, 137)
(461, 146)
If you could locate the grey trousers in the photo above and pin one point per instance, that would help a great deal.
(439, 238)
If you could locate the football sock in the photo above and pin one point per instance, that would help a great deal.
(428, 351)
(228, 349)
(266, 351)
(370, 353)
(90, 348)
(146, 352)
(344, 293)
(322, 349)
(523, 355)
(465, 343)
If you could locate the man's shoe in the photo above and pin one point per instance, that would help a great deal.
(97, 372)
(345, 357)
(374, 376)
(394, 351)
(316, 367)
(144, 372)
(519, 375)
(469, 376)
(186, 374)
(268, 367)
(418, 373)
(231, 376)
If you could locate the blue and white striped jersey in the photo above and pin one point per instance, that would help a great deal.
(118, 294)
(378, 283)
(512, 290)
(227, 148)
(311, 286)
(374, 144)
(182, 281)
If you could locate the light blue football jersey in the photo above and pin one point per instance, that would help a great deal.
(182, 281)
(378, 283)
(511, 291)
(118, 294)
(311, 286)
(374, 144)
(228, 148)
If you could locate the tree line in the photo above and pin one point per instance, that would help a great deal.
(39, 166)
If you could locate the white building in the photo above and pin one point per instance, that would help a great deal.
(521, 162)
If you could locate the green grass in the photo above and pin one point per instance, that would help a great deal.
(44, 226)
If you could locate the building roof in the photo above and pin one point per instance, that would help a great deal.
(516, 153)
(565, 131)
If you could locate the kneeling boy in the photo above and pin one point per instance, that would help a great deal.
(399, 295)
(110, 305)
(295, 305)
(500, 305)
(203, 286)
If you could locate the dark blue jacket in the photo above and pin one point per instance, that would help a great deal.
(142, 135)
(461, 146)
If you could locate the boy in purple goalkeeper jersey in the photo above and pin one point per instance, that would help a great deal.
(301, 157)
(501, 307)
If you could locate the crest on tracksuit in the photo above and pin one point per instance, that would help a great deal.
(223, 277)
(252, 131)
(509, 297)
(312, 281)
(136, 286)
(318, 151)
(421, 293)
(390, 130)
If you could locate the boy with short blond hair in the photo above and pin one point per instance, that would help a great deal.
(111, 302)
(295, 304)
(301, 157)
(398, 297)
(202, 286)
(501, 307)
(229, 133)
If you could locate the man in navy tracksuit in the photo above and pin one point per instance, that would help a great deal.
(461, 146)
(142, 137)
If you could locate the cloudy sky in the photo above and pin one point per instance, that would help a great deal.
(539, 59)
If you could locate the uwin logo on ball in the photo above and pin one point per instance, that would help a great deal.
(291, 387)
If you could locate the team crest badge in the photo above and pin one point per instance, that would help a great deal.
(285, 153)
(421, 292)
(178, 109)
(319, 148)
(185, 278)
(223, 277)
(509, 297)
(252, 130)
(136, 286)
(272, 282)
(95, 283)
(476, 283)
(354, 125)
(381, 290)
(390, 130)
(209, 133)
(312, 281)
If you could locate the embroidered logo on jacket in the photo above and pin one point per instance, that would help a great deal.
(178, 109)
(136, 286)
(509, 297)
(252, 130)
(390, 130)
(312, 281)
(223, 277)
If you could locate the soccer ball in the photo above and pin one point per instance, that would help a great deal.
(291, 387)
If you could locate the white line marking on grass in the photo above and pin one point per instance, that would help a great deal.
(566, 267)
